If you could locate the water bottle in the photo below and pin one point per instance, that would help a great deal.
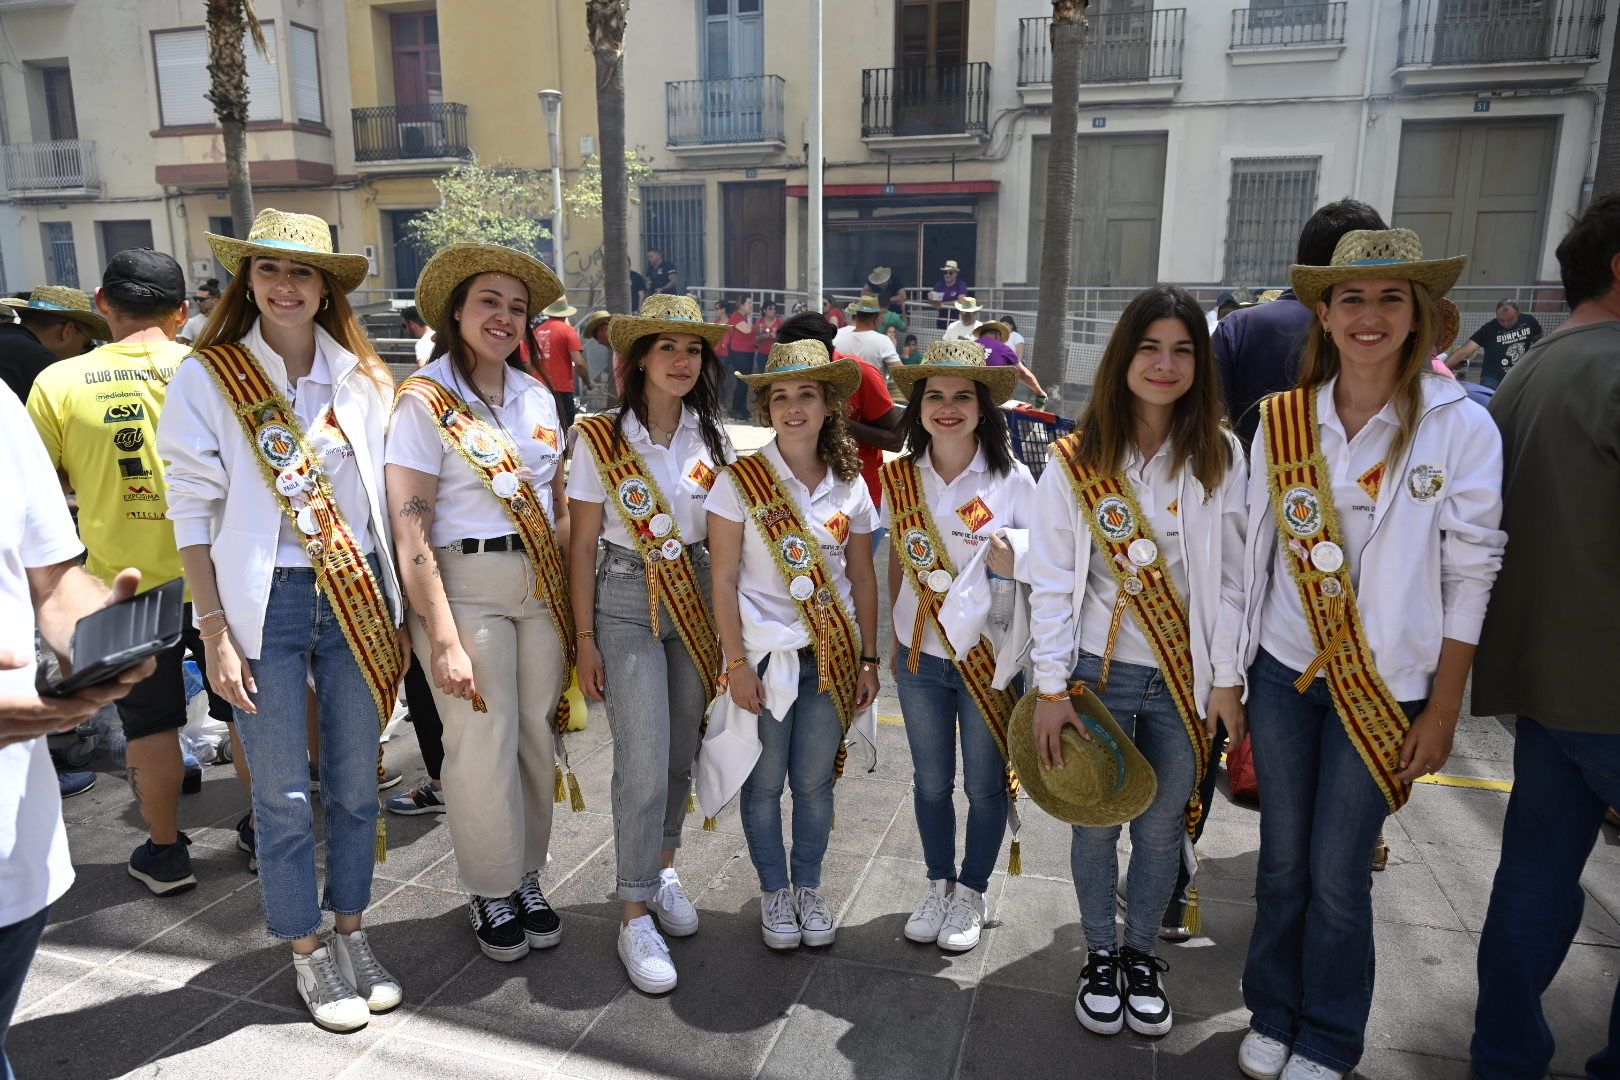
(1003, 594)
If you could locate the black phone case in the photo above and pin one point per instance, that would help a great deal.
(108, 641)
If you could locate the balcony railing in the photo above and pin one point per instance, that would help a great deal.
(1137, 46)
(1279, 27)
(743, 109)
(411, 132)
(944, 100)
(1448, 32)
(62, 165)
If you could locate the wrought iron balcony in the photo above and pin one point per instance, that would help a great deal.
(45, 167)
(1136, 46)
(712, 112)
(411, 132)
(943, 100)
(1279, 27)
(1447, 33)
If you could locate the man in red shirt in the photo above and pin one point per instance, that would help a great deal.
(562, 354)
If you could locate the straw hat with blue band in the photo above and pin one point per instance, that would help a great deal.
(458, 262)
(302, 238)
(866, 305)
(66, 302)
(963, 359)
(662, 313)
(1104, 780)
(807, 361)
(560, 310)
(1377, 253)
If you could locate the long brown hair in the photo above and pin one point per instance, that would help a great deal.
(834, 446)
(1108, 429)
(447, 341)
(1320, 362)
(703, 399)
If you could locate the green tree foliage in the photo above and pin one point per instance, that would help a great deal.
(584, 199)
(487, 204)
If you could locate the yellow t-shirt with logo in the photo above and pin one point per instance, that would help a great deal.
(97, 415)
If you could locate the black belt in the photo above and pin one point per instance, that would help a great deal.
(472, 546)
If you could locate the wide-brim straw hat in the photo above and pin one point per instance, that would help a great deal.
(807, 360)
(866, 305)
(999, 328)
(880, 275)
(67, 302)
(1377, 253)
(592, 321)
(963, 359)
(458, 262)
(1104, 780)
(302, 238)
(560, 310)
(662, 313)
(1450, 324)
(968, 304)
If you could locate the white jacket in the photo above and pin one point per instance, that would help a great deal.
(1426, 573)
(1212, 551)
(218, 494)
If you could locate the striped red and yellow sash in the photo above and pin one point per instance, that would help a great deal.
(341, 570)
(1302, 504)
(798, 558)
(671, 582)
(1117, 524)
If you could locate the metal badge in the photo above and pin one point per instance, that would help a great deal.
(672, 549)
(1331, 587)
(307, 523)
(940, 580)
(662, 524)
(1143, 551)
(290, 483)
(1327, 557)
(505, 484)
(1134, 586)
(801, 587)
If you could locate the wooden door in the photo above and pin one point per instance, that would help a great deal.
(417, 80)
(755, 217)
(1118, 209)
(930, 85)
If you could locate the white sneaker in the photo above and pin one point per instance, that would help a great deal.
(362, 971)
(779, 920)
(925, 923)
(1261, 1057)
(1305, 1069)
(675, 913)
(963, 920)
(815, 920)
(332, 1002)
(645, 956)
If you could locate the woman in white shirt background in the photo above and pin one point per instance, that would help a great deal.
(1154, 429)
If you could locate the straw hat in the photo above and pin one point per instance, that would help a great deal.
(303, 238)
(866, 305)
(68, 303)
(967, 303)
(880, 275)
(963, 359)
(1000, 329)
(1377, 253)
(458, 262)
(592, 321)
(1104, 780)
(950, 264)
(1450, 324)
(807, 360)
(560, 310)
(662, 313)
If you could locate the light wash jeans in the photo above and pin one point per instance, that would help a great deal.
(1141, 702)
(799, 750)
(302, 639)
(655, 706)
(935, 702)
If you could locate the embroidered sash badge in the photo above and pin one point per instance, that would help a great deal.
(838, 525)
(702, 475)
(975, 514)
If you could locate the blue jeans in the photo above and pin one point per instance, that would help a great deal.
(17, 945)
(742, 364)
(1562, 781)
(302, 638)
(1141, 702)
(934, 701)
(1308, 981)
(801, 750)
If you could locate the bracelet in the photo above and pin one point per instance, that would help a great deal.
(585, 633)
(1445, 712)
(221, 632)
(1062, 695)
(871, 660)
(217, 613)
(868, 665)
(734, 665)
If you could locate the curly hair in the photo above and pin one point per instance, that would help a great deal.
(834, 446)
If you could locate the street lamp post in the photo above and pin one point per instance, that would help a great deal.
(551, 100)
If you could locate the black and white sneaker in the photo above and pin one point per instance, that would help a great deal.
(540, 923)
(499, 931)
(1147, 1010)
(1097, 1004)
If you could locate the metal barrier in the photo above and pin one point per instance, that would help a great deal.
(742, 109)
(1304, 24)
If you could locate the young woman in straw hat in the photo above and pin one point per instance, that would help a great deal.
(1136, 552)
(795, 598)
(956, 504)
(274, 436)
(639, 569)
(1373, 544)
(475, 487)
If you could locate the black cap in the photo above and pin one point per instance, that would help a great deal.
(145, 277)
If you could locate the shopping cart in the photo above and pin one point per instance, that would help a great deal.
(1033, 433)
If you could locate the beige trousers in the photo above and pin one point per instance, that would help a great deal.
(499, 779)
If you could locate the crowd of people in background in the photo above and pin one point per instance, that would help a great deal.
(1293, 533)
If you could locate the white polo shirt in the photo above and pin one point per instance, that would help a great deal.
(465, 508)
(967, 512)
(870, 345)
(833, 512)
(685, 472)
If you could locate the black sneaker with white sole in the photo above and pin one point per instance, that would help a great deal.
(540, 923)
(1097, 1004)
(1147, 1010)
(498, 929)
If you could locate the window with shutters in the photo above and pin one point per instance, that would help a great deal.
(181, 59)
(1272, 198)
(672, 224)
(306, 74)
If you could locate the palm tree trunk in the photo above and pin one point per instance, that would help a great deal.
(1052, 314)
(227, 22)
(1607, 179)
(605, 22)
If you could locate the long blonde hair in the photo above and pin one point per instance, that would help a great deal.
(1320, 362)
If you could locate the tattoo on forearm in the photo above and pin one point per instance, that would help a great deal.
(416, 506)
(419, 560)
